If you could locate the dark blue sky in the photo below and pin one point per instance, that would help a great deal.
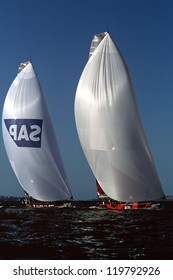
(56, 36)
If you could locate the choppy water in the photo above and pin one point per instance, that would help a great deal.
(83, 233)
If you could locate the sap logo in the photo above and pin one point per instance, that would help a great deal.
(25, 132)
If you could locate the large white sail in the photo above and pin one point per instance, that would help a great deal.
(30, 140)
(110, 129)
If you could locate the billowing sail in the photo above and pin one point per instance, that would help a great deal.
(110, 129)
(30, 141)
(94, 44)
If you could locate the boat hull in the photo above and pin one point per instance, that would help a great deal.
(133, 206)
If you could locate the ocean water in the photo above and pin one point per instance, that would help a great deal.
(85, 233)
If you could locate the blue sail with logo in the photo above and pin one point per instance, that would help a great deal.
(30, 140)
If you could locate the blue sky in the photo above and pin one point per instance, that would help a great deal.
(56, 36)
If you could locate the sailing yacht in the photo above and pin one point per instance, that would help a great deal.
(30, 140)
(110, 129)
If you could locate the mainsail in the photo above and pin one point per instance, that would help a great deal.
(30, 141)
(95, 42)
(100, 192)
(110, 130)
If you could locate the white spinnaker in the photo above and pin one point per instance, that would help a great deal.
(39, 170)
(110, 129)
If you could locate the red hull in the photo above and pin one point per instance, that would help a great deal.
(124, 206)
